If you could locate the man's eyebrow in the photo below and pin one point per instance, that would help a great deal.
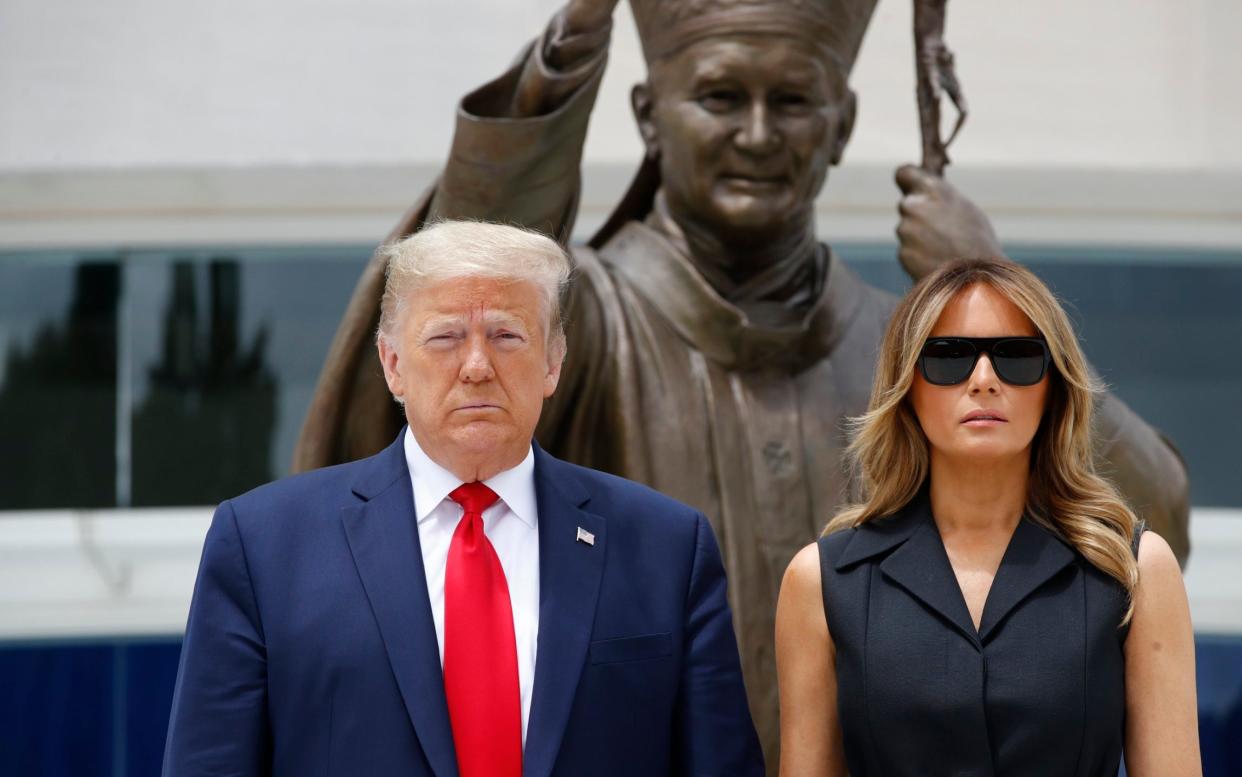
(710, 74)
(440, 322)
(503, 319)
(800, 76)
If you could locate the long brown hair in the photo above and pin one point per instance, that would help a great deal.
(889, 452)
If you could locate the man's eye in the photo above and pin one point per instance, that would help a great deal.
(791, 100)
(719, 99)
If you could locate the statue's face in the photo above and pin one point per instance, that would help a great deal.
(746, 128)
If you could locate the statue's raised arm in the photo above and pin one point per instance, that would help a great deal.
(515, 158)
(518, 143)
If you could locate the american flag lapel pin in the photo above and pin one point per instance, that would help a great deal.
(586, 536)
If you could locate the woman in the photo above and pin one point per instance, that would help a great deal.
(991, 606)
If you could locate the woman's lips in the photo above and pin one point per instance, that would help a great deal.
(984, 418)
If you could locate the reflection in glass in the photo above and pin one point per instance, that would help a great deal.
(203, 432)
(58, 396)
(224, 352)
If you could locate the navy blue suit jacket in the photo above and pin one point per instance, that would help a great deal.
(310, 648)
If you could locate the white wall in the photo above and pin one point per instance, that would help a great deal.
(183, 83)
(179, 120)
(67, 574)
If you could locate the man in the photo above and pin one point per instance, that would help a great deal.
(462, 603)
(719, 345)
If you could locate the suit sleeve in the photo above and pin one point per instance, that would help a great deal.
(517, 147)
(714, 735)
(218, 724)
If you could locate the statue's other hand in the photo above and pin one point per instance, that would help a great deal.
(583, 16)
(938, 223)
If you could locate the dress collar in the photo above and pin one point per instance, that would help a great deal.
(913, 556)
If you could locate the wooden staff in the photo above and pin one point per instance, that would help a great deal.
(936, 76)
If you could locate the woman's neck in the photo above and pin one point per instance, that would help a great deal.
(975, 497)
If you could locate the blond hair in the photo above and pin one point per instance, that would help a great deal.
(889, 452)
(458, 249)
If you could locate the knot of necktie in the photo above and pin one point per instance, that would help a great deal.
(474, 497)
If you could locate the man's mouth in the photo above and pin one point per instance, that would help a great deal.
(754, 181)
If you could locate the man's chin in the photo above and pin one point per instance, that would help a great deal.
(482, 435)
(751, 219)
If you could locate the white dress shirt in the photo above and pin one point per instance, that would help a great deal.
(511, 525)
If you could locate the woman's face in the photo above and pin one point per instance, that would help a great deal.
(982, 418)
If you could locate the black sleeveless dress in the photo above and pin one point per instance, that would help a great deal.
(1038, 690)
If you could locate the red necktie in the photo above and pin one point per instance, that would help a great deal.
(480, 651)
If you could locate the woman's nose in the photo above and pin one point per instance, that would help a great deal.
(983, 377)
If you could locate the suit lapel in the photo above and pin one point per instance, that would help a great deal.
(383, 538)
(1033, 557)
(569, 578)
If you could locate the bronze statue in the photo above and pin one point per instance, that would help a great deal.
(715, 344)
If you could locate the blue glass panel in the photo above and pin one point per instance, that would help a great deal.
(151, 674)
(57, 713)
(56, 710)
(1218, 668)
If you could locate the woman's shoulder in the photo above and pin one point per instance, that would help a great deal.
(1156, 560)
(803, 571)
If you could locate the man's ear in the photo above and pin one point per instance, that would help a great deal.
(556, 358)
(643, 102)
(846, 112)
(391, 363)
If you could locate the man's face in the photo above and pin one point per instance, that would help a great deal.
(469, 357)
(746, 128)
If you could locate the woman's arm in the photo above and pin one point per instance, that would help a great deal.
(1162, 727)
(811, 743)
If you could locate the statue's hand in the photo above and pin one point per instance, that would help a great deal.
(938, 223)
(583, 16)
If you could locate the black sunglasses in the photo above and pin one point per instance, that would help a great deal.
(1019, 361)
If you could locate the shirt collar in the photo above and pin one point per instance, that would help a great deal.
(433, 483)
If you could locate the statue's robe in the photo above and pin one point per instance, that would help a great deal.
(665, 381)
